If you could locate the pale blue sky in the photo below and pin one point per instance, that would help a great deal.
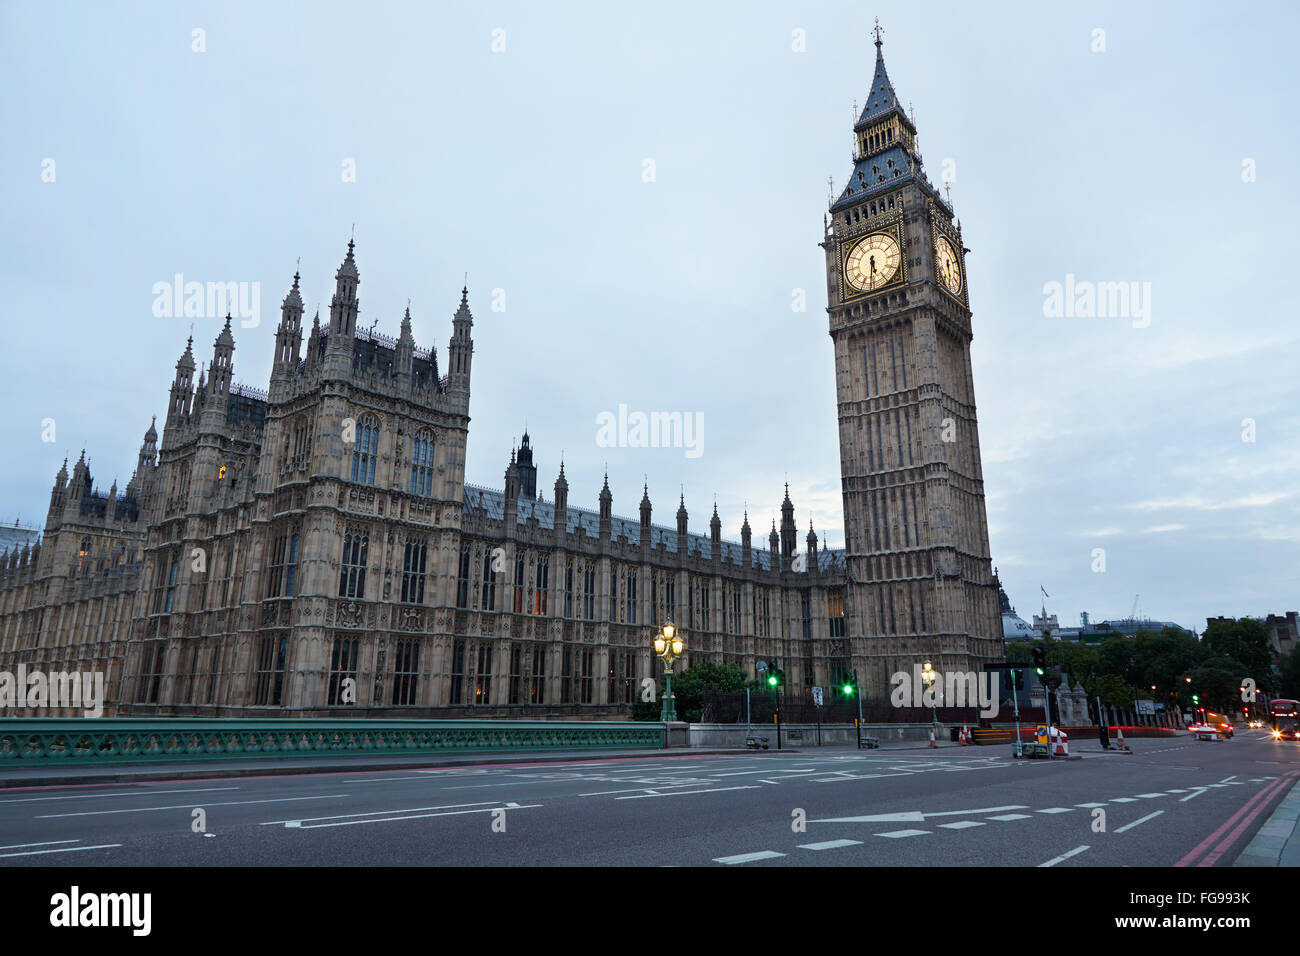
(524, 168)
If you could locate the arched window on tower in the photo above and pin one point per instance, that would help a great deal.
(422, 464)
(366, 451)
(352, 573)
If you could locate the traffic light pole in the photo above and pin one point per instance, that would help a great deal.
(1015, 703)
(858, 691)
(778, 717)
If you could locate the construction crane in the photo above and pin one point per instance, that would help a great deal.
(1132, 615)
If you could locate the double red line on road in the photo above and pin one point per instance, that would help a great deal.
(1242, 819)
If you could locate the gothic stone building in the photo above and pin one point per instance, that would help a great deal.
(314, 549)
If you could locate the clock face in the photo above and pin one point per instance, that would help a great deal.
(949, 268)
(873, 262)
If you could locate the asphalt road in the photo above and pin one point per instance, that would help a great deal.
(1176, 802)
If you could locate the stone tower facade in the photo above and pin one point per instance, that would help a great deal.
(920, 581)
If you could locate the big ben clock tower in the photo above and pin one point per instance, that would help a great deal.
(920, 582)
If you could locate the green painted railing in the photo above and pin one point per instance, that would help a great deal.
(47, 740)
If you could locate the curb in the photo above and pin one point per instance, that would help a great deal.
(1273, 844)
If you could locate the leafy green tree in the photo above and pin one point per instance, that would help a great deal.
(1113, 690)
(688, 689)
(1082, 666)
(1020, 653)
(1245, 641)
(1162, 659)
(1217, 681)
(1116, 657)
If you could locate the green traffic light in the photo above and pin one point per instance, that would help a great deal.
(772, 680)
(848, 688)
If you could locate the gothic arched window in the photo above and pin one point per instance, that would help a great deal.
(422, 464)
(352, 574)
(366, 451)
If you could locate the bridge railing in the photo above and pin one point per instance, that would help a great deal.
(48, 740)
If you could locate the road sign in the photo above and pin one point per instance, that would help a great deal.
(817, 696)
(1041, 732)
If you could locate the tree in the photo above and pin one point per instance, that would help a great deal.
(1163, 659)
(1019, 653)
(1245, 641)
(1113, 691)
(1218, 680)
(688, 689)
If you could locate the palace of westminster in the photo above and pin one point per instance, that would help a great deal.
(314, 550)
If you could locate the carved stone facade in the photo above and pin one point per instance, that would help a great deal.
(313, 549)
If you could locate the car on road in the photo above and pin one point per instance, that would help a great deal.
(1220, 723)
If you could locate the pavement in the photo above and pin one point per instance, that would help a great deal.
(1278, 841)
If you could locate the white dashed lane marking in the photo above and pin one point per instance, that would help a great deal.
(829, 844)
(1011, 816)
(1064, 856)
(961, 825)
(895, 834)
(748, 857)
(1139, 820)
(1056, 810)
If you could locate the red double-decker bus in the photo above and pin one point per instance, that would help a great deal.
(1284, 716)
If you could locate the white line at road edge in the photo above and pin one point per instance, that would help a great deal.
(22, 846)
(297, 824)
(66, 849)
(380, 813)
(188, 806)
(1140, 820)
(1064, 856)
(120, 793)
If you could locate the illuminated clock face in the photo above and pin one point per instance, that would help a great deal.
(949, 268)
(873, 262)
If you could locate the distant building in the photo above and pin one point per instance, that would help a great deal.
(1283, 632)
(1014, 627)
(15, 536)
(1131, 625)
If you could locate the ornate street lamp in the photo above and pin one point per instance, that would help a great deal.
(668, 647)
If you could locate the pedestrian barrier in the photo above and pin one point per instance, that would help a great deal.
(48, 740)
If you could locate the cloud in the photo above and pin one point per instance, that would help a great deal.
(1199, 503)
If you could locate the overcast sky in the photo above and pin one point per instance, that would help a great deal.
(642, 187)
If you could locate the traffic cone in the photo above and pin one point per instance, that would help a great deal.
(932, 740)
(1119, 739)
(965, 735)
